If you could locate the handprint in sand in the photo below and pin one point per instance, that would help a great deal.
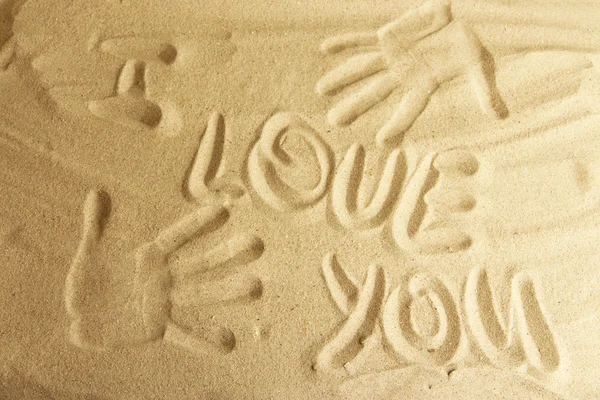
(165, 283)
(416, 53)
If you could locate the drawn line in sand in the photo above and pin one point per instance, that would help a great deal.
(419, 51)
(343, 290)
(422, 323)
(524, 338)
(163, 281)
(268, 155)
(436, 347)
(346, 187)
(129, 105)
(203, 179)
(140, 48)
(217, 337)
(95, 213)
(407, 221)
(399, 197)
(361, 318)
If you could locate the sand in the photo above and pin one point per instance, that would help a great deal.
(299, 199)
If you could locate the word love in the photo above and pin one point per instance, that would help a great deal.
(422, 323)
(398, 196)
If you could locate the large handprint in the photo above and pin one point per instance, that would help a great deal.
(418, 52)
(163, 281)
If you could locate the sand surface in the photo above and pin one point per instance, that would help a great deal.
(299, 199)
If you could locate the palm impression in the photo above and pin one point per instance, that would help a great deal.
(416, 54)
(164, 282)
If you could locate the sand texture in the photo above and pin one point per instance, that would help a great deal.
(307, 199)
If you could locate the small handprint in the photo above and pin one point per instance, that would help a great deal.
(419, 52)
(163, 280)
